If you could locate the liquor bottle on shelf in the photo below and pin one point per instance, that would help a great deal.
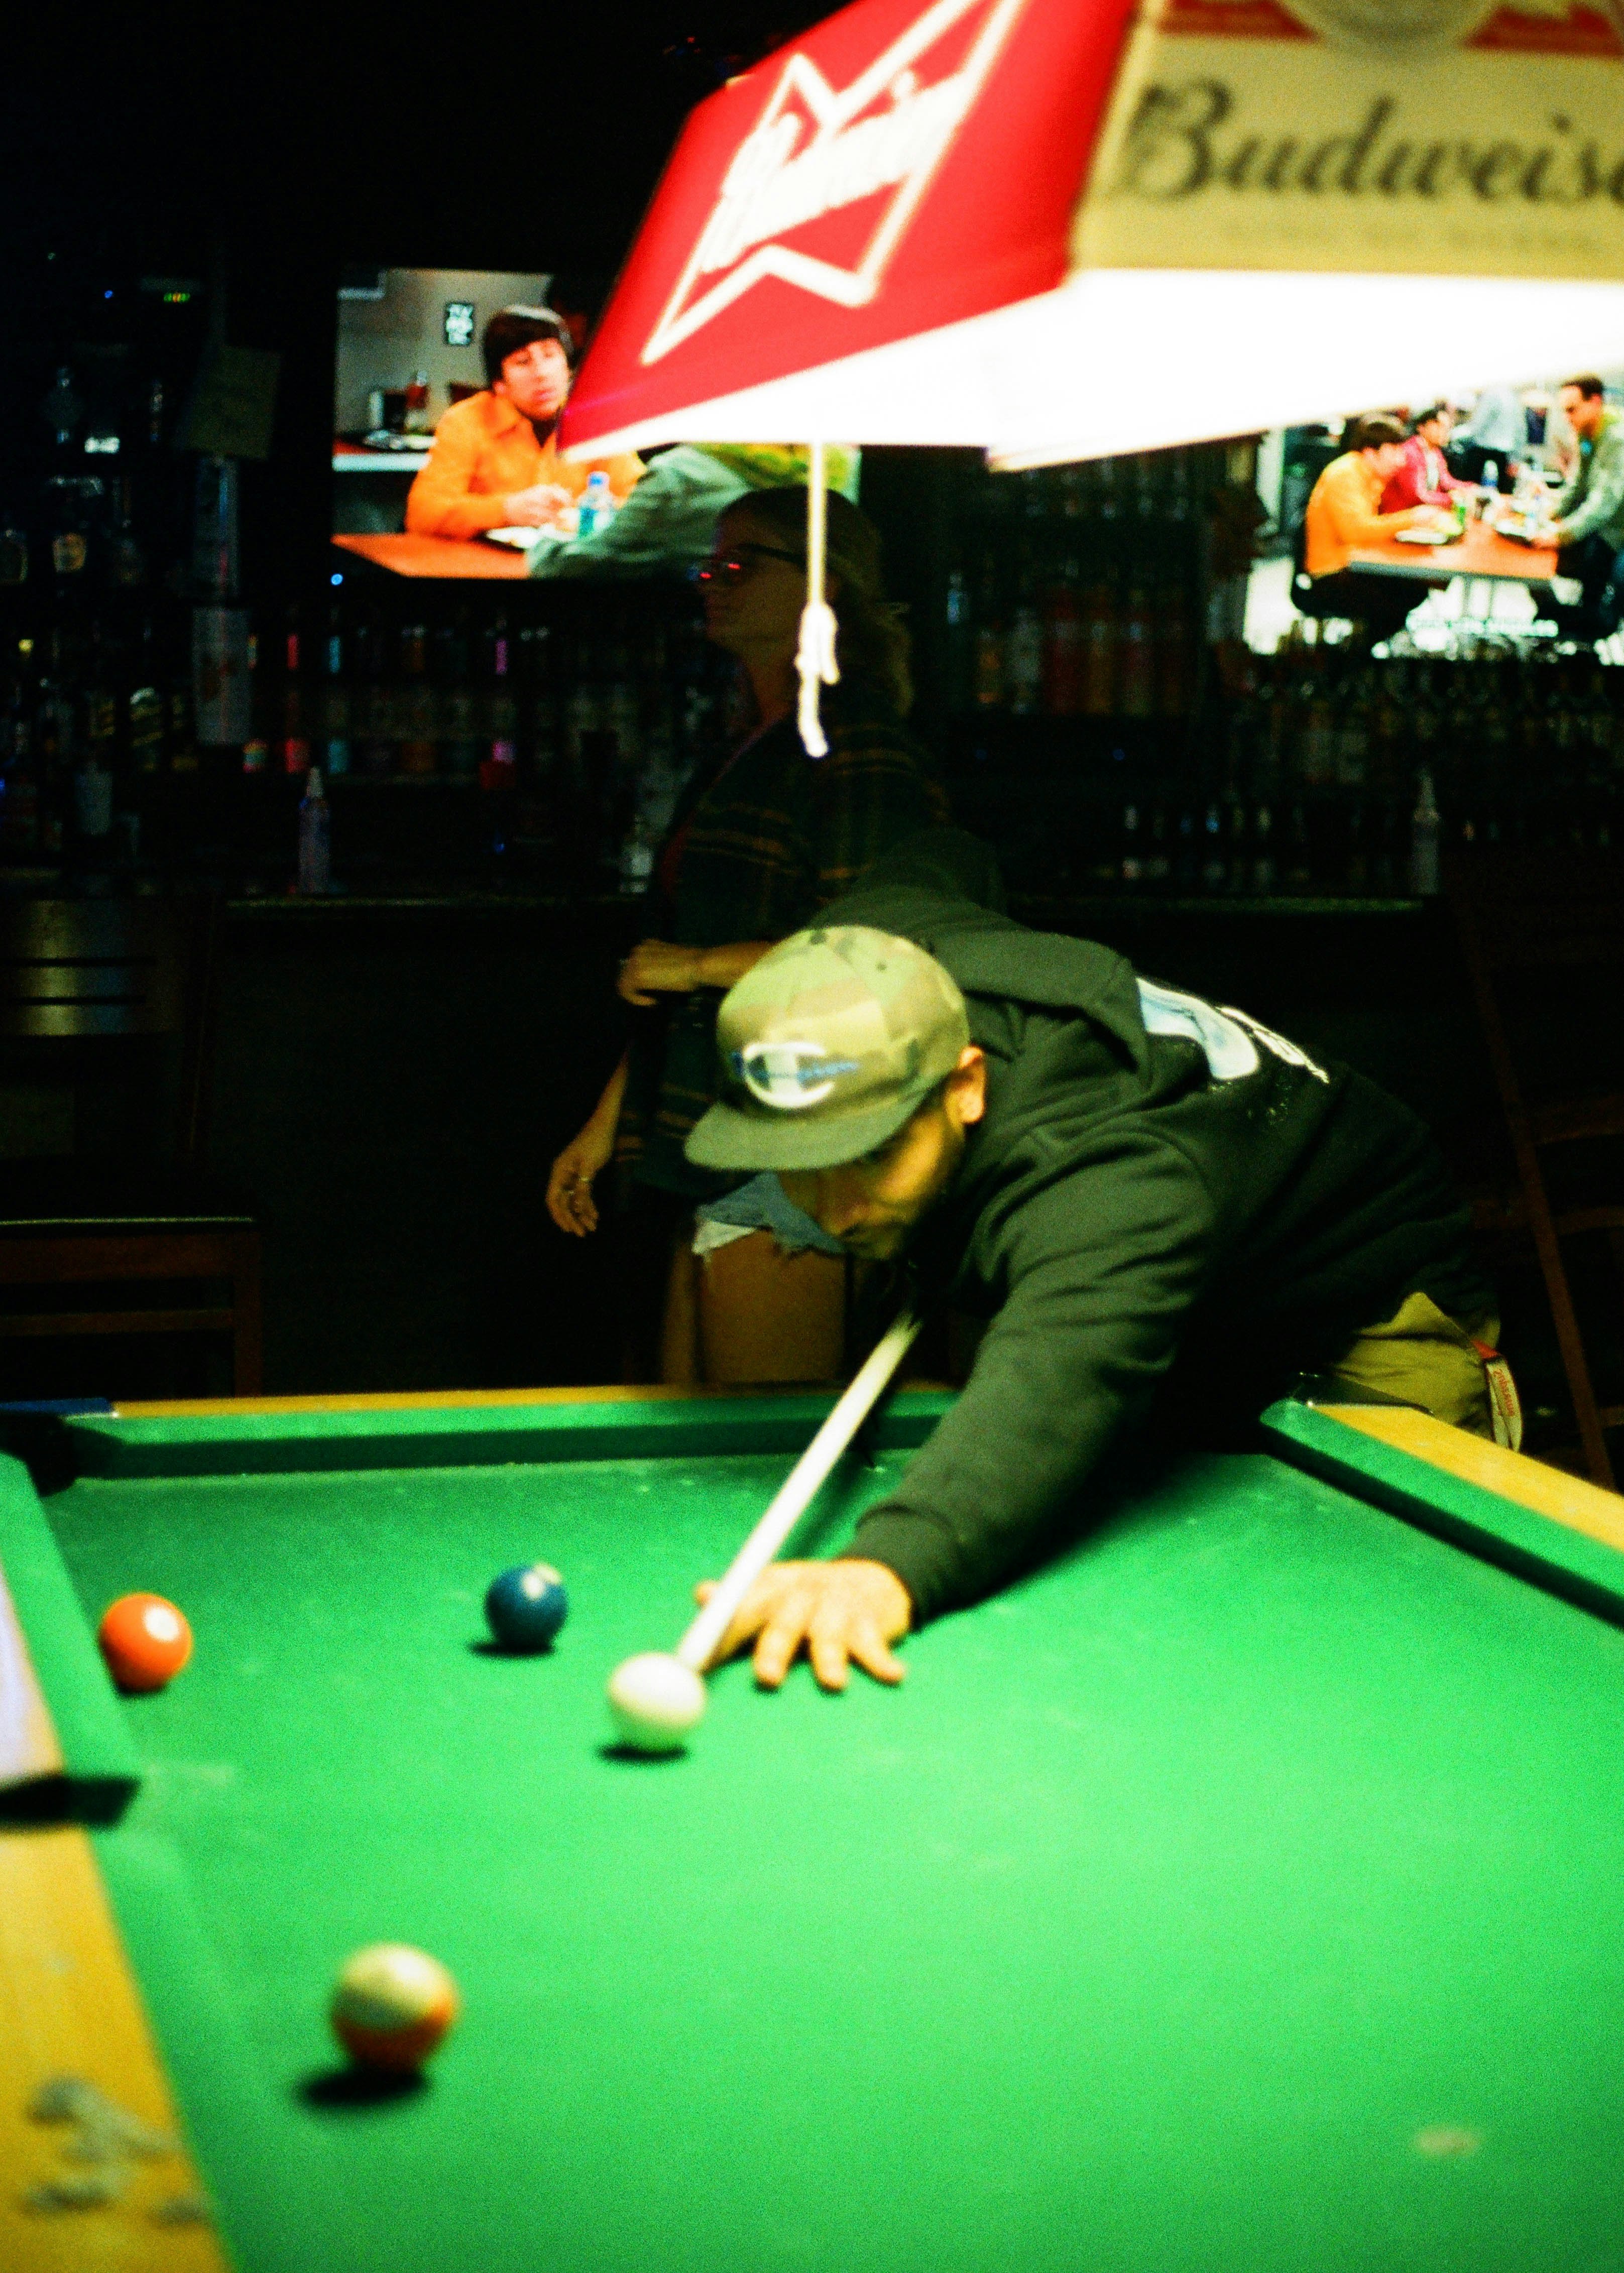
(315, 854)
(417, 753)
(335, 705)
(1100, 643)
(1425, 823)
(144, 708)
(987, 688)
(1022, 658)
(1131, 865)
(1174, 673)
(459, 705)
(97, 746)
(1158, 856)
(1136, 694)
(498, 769)
(1299, 858)
(1062, 645)
(957, 643)
(374, 704)
(1356, 864)
(293, 741)
(1213, 851)
(14, 560)
(257, 749)
(1264, 877)
(20, 791)
(126, 559)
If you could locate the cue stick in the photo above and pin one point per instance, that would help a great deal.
(798, 1492)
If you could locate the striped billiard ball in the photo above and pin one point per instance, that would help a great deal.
(392, 2005)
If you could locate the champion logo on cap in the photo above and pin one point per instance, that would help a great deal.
(790, 1074)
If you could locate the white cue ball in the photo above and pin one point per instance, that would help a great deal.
(656, 1699)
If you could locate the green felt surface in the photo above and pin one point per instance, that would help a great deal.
(1520, 1539)
(1179, 1893)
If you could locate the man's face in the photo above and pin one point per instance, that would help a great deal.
(536, 379)
(1435, 431)
(1387, 457)
(1582, 411)
(873, 1204)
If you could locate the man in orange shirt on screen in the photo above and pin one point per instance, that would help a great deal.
(1345, 512)
(495, 463)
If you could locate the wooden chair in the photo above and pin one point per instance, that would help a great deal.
(134, 1229)
(1538, 931)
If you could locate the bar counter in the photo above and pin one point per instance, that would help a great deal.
(396, 1067)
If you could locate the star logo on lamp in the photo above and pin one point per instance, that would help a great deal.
(856, 160)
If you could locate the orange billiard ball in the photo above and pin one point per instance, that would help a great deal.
(145, 1641)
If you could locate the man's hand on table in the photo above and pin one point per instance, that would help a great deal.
(540, 508)
(841, 1613)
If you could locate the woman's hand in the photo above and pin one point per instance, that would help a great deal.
(655, 967)
(569, 1187)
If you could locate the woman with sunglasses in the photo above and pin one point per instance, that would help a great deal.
(754, 851)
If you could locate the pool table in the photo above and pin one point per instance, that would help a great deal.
(1244, 1889)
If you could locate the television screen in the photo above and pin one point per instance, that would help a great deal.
(437, 471)
(448, 386)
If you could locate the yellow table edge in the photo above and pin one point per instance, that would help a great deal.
(1584, 1507)
(430, 1400)
(68, 2005)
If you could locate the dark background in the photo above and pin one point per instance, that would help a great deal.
(389, 1092)
(258, 149)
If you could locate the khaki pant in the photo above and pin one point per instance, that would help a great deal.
(1424, 1357)
(749, 1313)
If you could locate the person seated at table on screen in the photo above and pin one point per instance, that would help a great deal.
(1163, 1210)
(1423, 475)
(494, 462)
(760, 840)
(669, 521)
(1587, 513)
(1344, 513)
(1493, 434)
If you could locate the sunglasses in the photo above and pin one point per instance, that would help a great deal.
(733, 567)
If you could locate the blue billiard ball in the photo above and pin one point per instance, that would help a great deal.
(526, 1606)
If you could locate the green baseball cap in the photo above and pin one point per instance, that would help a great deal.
(828, 1046)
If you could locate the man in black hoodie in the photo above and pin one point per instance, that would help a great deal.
(1159, 1205)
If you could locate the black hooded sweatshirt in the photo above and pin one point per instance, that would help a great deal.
(1152, 1220)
